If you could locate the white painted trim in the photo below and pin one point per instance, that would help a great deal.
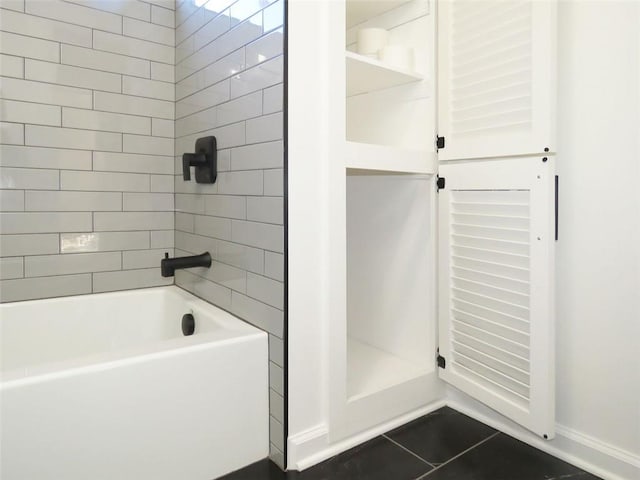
(618, 454)
(312, 446)
(585, 452)
(306, 445)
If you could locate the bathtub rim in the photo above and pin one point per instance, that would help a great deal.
(235, 330)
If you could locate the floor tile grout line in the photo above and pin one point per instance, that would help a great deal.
(457, 456)
(408, 451)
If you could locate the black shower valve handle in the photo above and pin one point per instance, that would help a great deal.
(191, 160)
(205, 161)
(186, 166)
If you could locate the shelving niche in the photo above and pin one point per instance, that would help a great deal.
(390, 313)
(387, 106)
(389, 163)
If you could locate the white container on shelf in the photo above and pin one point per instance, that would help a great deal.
(371, 40)
(397, 56)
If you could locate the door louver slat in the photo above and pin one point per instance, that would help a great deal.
(492, 330)
(495, 280)
(506, 356)
(504, 259)
(486, 12)
(502, 294)
(517, 395)
(486, 373)
(511, 374)
(466, 307)
(519, 347)
(506, 246)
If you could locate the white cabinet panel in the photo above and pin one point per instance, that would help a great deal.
(496, 78)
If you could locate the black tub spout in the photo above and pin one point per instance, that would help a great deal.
(168, 266)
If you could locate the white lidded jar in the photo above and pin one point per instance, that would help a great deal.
(370, 40)
(397, 56)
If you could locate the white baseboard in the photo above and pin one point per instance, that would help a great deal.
(589, 454)
(312, 446)
(304, 447)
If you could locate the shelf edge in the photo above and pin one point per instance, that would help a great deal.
(365, 74)
(368, 157)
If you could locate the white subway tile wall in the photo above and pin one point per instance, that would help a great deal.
(229, 77)
(87, 144)
(99, 100)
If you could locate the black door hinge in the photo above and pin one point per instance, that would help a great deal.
(440, 142)
(440, 182)
(442, 363)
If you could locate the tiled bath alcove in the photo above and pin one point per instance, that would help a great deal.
(99, 99)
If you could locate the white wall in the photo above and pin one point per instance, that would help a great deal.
(598, 255)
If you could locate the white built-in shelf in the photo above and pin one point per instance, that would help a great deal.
(382, 158)
(358, 11)
(366, 74)
(370, 370)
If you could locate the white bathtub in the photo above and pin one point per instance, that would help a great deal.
(107, 387)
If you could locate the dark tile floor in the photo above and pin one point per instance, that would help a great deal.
(444, 445)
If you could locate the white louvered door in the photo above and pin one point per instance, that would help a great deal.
(496, 242)
(496, 77)
(496, 112)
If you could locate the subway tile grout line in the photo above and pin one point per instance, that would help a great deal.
(215, 60)
(226, 102)
(232, 27)
(65, 42)
(409, 451)
(195, 52)
(84, 5)
(147, 58)
(93, 109)
(91, 48)
(112, 72)
(106, 151)
(458, 456)
(194, 134)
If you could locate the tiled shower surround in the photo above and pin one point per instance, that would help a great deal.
(229, 74)
(87, 142)
(99, 100)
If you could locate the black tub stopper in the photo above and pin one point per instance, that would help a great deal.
(188, 324)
